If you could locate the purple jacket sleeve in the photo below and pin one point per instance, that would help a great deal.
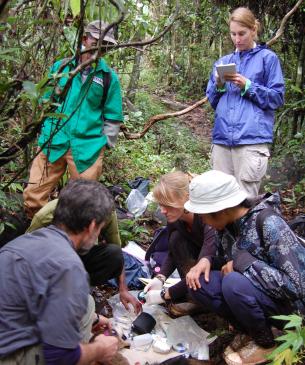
(209, 247)
(59, 356)
(168, 266)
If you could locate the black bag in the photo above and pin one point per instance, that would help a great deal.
(144, 323)
(141, 184)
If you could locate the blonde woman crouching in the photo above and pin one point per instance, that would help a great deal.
(189, 238)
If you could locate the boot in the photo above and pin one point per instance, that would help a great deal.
(184, 309)
(254, 351)
(263, 337)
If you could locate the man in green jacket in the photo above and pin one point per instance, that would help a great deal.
(89, 120)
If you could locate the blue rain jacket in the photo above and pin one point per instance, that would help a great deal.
(248, 118)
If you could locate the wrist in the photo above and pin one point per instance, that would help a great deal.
(122, 286)
(204, 261)
(221, 87)
(165, 295)
(246, 87)
(161, 277)
(123, 289)
(91, 352)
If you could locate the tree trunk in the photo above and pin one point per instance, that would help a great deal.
(135, 76)
(299, 82)
(300, 75)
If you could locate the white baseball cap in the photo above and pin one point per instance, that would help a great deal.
(213, 191)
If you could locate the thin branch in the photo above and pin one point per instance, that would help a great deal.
(140, 43)
(19, 6)
(280, 31)
(156, 118)
(42, 9)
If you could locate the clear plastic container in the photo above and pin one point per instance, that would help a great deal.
(141, 342)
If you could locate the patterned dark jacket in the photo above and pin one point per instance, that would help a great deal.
(276, 265)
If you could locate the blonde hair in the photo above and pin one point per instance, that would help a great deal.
(172, 189)
(246, 18)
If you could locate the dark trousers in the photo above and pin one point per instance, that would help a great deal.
(235, 298)
(103, 262)
(184, 254)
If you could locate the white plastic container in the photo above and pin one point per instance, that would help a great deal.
(141, 340)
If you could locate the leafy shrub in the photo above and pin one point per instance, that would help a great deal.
(291, 350)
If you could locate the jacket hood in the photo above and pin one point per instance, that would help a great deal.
(258, 48)
(230, 57)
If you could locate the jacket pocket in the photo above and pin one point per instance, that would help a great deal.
(95, 95)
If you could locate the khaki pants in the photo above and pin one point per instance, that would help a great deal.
(44, 176)
(248, 163)
(87, 321)
(33, 355)
(27, 356)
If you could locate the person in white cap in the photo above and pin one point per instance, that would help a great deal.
(88, 120)
(263, 273)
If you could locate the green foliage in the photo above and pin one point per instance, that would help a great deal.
(75, 7)
(157, 152)
(297, 195)
(9, 203)
(291, 350)
(33, 37)
(132, 230)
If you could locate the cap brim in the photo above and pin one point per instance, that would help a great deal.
(205, 208)
(106, 38)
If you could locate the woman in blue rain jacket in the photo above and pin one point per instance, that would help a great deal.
(245, 104)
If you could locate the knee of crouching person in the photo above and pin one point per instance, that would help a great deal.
(230, 282)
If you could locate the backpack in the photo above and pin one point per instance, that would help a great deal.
(158, 250)
(106, 84)
(297, 224)
(106, 79)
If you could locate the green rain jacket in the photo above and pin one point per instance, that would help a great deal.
(83, 131)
